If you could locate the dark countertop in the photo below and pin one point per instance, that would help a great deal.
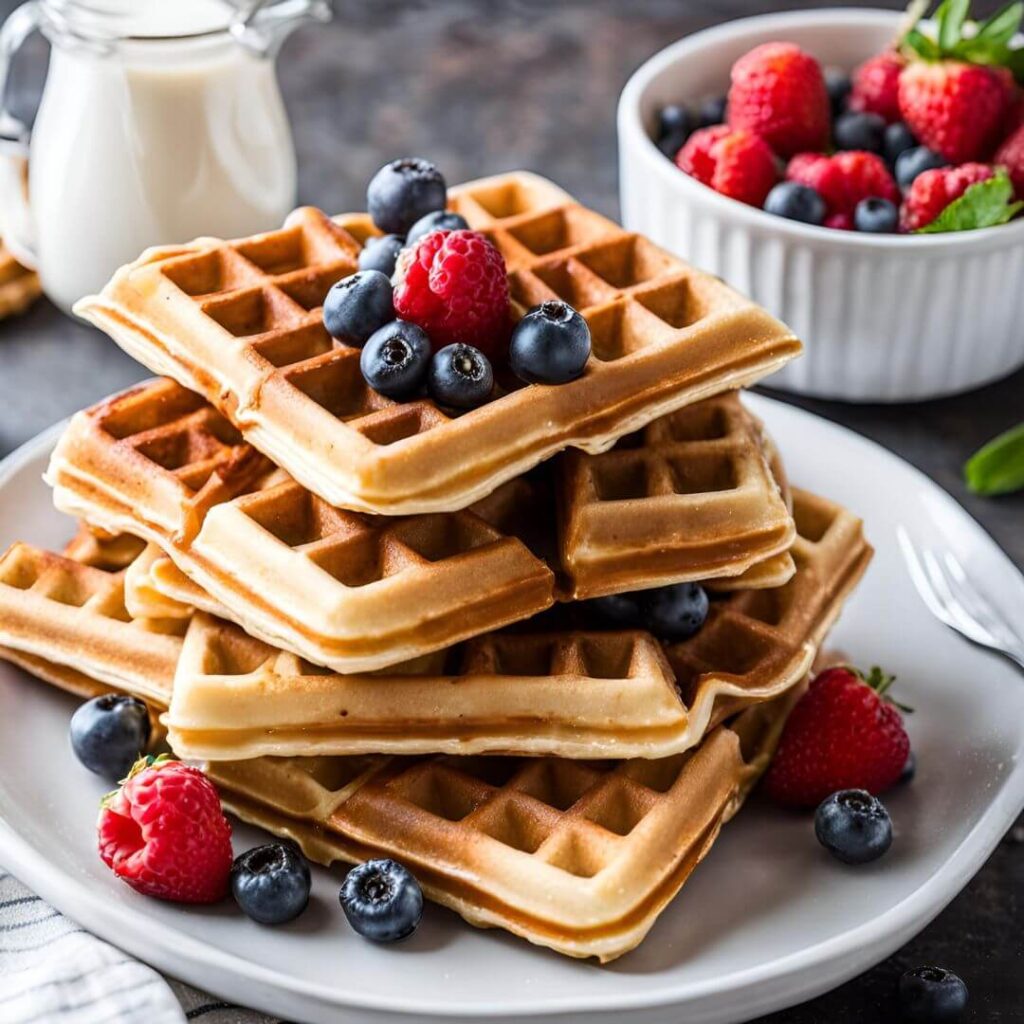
(482, 87)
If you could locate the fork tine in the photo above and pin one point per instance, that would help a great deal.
(984, 610)
(964, 622)
(919, 578)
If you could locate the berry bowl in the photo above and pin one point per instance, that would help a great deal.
(886, 318)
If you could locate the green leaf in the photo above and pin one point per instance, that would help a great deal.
(998, 467)
(1003, 25)
(922, 45)
(984, 205)
(950, 18)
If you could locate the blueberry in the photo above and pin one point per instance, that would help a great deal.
(396, 358)
(358, 305)
(620, 610)
(109, 733)
(853, 826)
(672, 143)
(712, 111)
(794, 201)
(271, 883)
(675, 612)
(931, 995)
(839, 85)
(550, 345)
(460, 376)
(674, 127)
(909, 769)
(403, 191)
(859, 131)
(876, 215)
(381, 253)
(382, 900)
(439, 220)
(898, 139)
(912, 162)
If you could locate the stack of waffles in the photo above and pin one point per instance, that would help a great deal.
(374, 623)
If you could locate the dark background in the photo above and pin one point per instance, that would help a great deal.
(481, 87)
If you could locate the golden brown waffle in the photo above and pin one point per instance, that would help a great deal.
(240, 322)
(67, 622)
(103, 550)
(345, 590)
(581, 857)
(19, 287)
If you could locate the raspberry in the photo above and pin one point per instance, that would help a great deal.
(1011, 156)
(876, 86)
(454, 285)
(932, 191)
(734, 162)
(779, 93)
(164, 833)
(843, 180)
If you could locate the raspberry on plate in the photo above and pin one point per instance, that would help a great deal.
(454, 285)
(164, 833)
(876, 86)
(843, 180)
(778, 92)
(932, 191)
(734, 162)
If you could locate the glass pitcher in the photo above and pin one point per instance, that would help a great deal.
(160, 120)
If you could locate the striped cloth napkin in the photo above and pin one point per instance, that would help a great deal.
(54, 972)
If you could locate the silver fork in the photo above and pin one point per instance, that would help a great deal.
(952, 598)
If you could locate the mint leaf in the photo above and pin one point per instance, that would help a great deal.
(998, 467)
(1003, 25)
(950, 18)
(922, 45)
(984, 205)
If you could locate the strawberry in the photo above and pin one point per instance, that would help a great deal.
(778, 92)
(843, 180)
(932, 191)
(1011, 156)
(735, 163)
(957, 90)
(876, 86)
(842, 734)
(164, 833)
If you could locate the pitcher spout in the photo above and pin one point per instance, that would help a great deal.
(263, 27)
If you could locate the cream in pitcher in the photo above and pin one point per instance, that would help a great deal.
(158, 122)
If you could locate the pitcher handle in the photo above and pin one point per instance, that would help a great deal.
(15, 217)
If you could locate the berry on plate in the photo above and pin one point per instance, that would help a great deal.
(875, 87)
(110, 733)
(860, 131)
(380, 253)
(915, 161)
(853, 826)
(842, 734)
(734, 162)
(674, 126)
(778, 92)
(395, 360)
(439, 220)
(876, 216)
(460, 376)
(403, 191)
(454, 285)
(164, 833)
(550, 345)
(712, 111)
(794, 201)
(959, 199)
(843, 180)
(271, 883)
(838, 84)
(898, 139)
(358, 305)
(675, 612)
(382, 900)
(1010, 155)
(931, 995)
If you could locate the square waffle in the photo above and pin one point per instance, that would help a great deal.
(579, 856)
(571, 692)
(241, 323)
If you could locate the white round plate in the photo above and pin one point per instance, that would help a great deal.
(767, 921)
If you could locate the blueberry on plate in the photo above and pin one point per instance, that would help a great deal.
(109, 733)
(912, 162)
(439, 220)
(550, 345)
(396, 358)
(794, 201)
(863, 131)
(931, 995)
(876, 215)
(358, 305)
(623, 611)
(382, 900)
(403, 191)
(838, 85)
(898, 139)
(712, 111)
(271, 883)
(674, 127)
(381, 253)
(909, 769)
(460, 376)
(675, 612)
(853, 826)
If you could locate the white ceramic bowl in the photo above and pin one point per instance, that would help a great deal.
(883, 317)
